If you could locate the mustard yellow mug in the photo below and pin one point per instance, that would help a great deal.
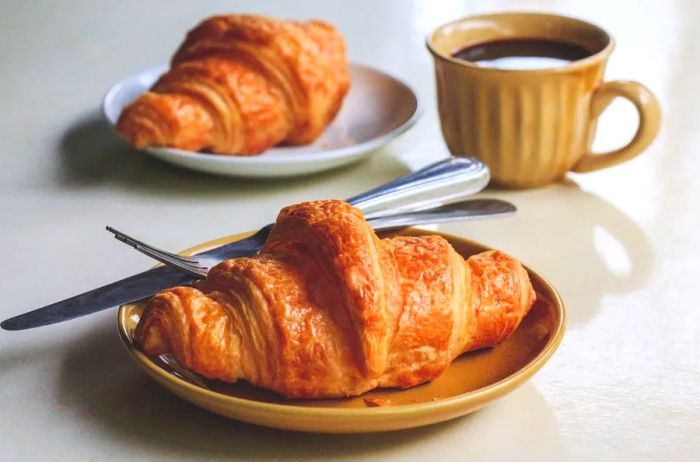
(523, 92)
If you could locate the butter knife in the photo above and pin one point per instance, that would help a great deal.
(440, 183)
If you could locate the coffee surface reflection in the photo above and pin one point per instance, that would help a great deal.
(523, 53)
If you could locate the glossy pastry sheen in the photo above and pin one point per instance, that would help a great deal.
(328, 309)
(241, 84)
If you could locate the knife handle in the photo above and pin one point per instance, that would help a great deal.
(437, 184)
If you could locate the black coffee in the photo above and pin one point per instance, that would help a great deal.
(534, 53)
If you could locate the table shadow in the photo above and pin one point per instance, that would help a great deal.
(92, 155)
(99, 382)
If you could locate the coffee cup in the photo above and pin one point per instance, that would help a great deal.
(523, 92)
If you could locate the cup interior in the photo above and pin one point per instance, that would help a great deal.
(452, 37)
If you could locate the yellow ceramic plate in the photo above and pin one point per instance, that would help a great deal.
(472, 380)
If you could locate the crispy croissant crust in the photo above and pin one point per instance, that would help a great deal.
(241, 84)
(328, 309)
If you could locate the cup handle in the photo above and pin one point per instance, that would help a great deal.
(649, 120)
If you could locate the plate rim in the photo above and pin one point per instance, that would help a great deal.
(476, 397)
(226, 159)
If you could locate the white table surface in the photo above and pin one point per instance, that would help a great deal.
(622, 245)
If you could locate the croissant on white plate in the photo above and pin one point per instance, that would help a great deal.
(240, 84)
(328, 309)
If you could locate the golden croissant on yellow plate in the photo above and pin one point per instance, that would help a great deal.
(328, 309)
(241, 84)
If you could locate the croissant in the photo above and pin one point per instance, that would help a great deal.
(241, 84)
(327, 309)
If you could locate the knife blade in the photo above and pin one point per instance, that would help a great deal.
(439, 183)
(129, 289)
(126, 290)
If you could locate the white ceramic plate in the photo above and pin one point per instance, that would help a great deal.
(378, 108)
